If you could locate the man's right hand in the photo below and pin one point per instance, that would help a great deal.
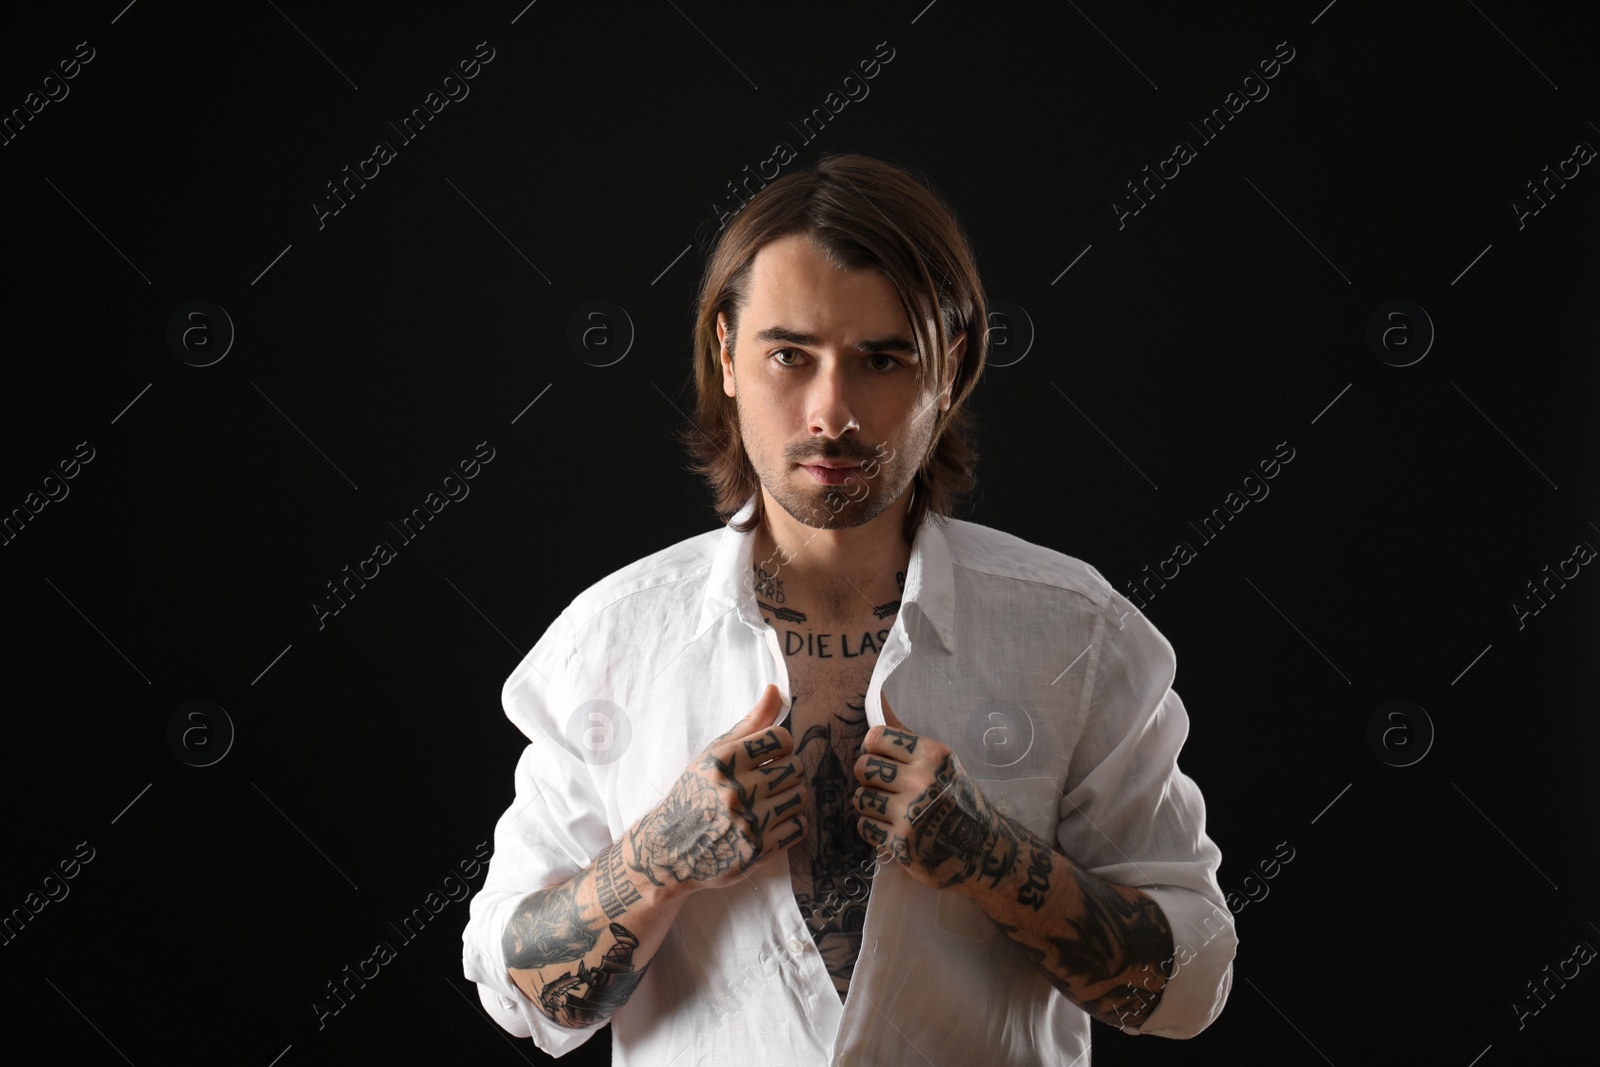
(741, 800)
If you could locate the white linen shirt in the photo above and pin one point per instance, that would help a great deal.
(1054, 692)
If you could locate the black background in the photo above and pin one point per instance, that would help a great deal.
(372, 354)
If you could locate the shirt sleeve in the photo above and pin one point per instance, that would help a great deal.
(1132, 817)
(555, 825)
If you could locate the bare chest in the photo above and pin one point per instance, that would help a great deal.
(831, 867)
(830, 669)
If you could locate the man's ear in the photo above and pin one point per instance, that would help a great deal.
(726, 358)
(958, 348)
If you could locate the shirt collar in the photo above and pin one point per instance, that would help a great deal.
(930, 580)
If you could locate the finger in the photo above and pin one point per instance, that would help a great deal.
(769, 813)
(766, 712)
(878, 772)
(871, 804)
(872, 832)
(755, 739)
(789, 832)
(743, 755)
(768, 706)
(780, 775)
(892, 742)
(876, 775)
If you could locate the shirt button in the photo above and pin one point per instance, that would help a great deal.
(796, 945)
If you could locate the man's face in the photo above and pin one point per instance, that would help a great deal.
(824, 374)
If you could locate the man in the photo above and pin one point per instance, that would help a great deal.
(951, 828)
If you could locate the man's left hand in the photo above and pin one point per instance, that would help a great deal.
(917, 804)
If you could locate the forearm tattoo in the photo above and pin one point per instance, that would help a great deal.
(1119, 935)
(611, 884)
(1106, 955)
(549, 929)
(1036, 884)
(593, 994)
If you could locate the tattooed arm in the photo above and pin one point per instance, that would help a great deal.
(578, 949)
(1107, 947)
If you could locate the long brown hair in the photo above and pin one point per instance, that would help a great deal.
(862, 212)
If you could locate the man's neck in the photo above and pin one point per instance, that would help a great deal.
(830, 575)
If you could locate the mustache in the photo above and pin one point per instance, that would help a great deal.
(838, 455)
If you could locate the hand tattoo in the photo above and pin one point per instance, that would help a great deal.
(692, 836)
(687, 838)
(953, 828)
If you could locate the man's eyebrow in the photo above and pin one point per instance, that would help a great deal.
(784, 335)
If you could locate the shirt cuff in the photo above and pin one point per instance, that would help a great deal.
(1204, 942)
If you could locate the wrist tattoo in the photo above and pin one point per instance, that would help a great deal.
(611, 885)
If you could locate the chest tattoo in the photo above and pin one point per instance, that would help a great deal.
(831, 868)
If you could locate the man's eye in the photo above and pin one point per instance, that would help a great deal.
(780, 356)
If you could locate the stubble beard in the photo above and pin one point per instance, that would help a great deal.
(842, 507)
(830, 507)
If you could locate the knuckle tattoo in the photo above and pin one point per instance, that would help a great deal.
(760, 746)
(881, 769)
(901, 739)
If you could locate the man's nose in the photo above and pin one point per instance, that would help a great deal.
(829, 407)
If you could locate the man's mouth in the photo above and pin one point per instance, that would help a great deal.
(830, 473)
